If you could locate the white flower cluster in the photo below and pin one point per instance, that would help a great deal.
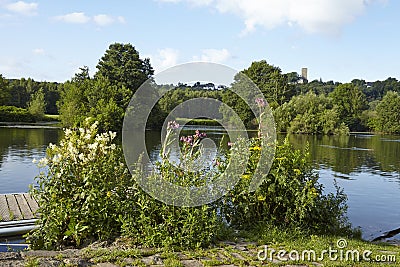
(78, 147)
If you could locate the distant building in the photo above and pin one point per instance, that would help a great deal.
(304, 75)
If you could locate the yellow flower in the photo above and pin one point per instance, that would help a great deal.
(255, 148)
(246, 176)
(109, 194)
(297, 171)
(314, 192)
(261, 198)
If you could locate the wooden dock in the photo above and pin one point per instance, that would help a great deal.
(17, 207)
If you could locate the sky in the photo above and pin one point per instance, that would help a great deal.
(337, 40)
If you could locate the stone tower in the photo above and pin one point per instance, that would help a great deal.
(304, 72)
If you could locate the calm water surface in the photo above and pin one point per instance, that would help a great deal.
(366, 166)
(18, 147)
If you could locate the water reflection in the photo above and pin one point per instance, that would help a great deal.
(354, 153)
(18, 147)
(368, 168)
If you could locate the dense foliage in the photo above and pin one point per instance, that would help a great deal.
(290, 196)
(350, 102)
(87, 194)
(106, 96)
(37, 105)
(387, 113)
(81, 192)
(309, 114)
(14, 114)
(153, 223)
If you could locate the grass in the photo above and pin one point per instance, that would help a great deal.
(208, 122)
(54, 117)
(32, 262)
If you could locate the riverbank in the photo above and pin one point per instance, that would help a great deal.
(239, 252)
(49, 120)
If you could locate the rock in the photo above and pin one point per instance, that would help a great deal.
(152, 260)
(12, 263)
(40, 253)
(191, 263)
(48, 262)
(7, 256)
(106, 264)
(77, 262)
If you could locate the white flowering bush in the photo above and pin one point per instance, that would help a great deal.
(80, 190)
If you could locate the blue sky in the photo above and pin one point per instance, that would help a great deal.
(335, 39)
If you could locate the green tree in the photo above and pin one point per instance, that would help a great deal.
(309, 114)
(73, 106)
(245, 86)
(82, 75)
(317, 86)
(106, 96)
(4, 91)
(387, 112)
(350, 101)
(37, 105)
(272, 83)
(122, 66)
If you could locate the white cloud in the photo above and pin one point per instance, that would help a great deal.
(314, 16)
(38, 51)
(165, 59)
(103, 20)
(213, 55)
(76, 17)
(23, 8)
(81, 18)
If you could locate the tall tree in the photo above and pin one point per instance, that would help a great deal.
(350, 101)
(73, 105)
(122, 66)
(271, 81)
(107, 95)
(82, 75)
(4, 91)
(388, 116)
(37, 105)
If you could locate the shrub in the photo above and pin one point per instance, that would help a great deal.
(289, 196)
(153, 223)
(81, 192)
(14, 114)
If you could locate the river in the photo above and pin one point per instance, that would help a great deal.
(367, 166)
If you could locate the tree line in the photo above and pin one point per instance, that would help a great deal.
(314, 107)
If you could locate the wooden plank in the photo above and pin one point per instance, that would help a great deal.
(24, 207)
(15, 213)
(33, 205)
(4, 212)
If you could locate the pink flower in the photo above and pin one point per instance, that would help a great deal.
(260, 102)
(173, 125)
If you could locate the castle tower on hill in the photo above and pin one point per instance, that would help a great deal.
(304, 75)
